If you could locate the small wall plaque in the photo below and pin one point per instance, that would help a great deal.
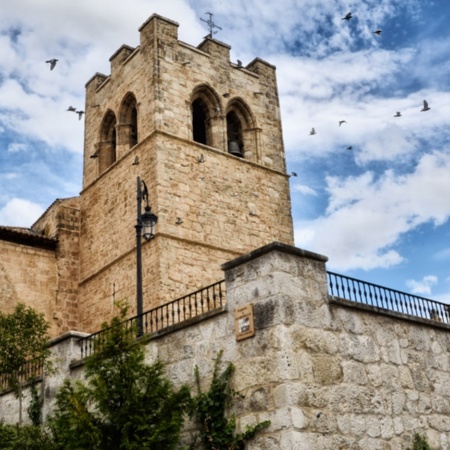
(244, 323)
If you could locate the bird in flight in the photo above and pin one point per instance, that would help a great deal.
(348, 16)
(71, 108)
(349, 147)
(425, 106)
(294, 174)
(313, 131)
(377, 32)
(398, 114)
(52, 63)
(341, 122)
(80, 114)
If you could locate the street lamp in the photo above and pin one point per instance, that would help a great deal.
(145, 226)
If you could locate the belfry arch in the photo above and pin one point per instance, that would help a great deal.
(108, 141)
(128, 122)
(241, 130)
(205, 114)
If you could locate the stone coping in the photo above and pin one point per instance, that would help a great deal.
(387, 312)
(274, 246)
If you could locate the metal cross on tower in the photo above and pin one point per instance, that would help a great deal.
(211, 24)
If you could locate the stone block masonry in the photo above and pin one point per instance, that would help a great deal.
(327, 376)
(212, 206)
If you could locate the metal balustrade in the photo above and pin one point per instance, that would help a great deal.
(28, 372)
(165, 316)
(365, 293)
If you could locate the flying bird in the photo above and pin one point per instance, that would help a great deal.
(313, 131)
(80, 114)
(349, 147)
(398, 114)
(341, 122)
(377, 32)
(425, 106)
(52, 63)
(294, 174)
(71, 108)
(348, 16)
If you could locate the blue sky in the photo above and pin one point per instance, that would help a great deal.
(380, 211)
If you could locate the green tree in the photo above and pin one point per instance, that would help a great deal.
(27, 437)
(217, 431)
(123, 403)
(23, 341)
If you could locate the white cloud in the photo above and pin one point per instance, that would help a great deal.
(18, 147)
(423, 286)
(19, 212)
(305, 190)
(366, 216)
(442, 255)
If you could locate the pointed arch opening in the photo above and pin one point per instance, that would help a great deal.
(108, 141)
(129, 122)
(241, 133)
(199, 121)
(234, 135)
(205, 105)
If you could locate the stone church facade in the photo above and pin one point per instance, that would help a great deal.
(205, 136)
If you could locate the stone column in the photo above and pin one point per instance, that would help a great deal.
(65, 351)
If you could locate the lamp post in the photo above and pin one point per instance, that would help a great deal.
(145, 227)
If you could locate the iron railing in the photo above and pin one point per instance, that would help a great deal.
(165, 316)
(388, 299)
(29, 371)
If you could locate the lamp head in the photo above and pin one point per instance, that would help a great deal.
(148, 224)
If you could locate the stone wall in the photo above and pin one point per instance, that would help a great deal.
(62, 222)
(28, 276)
(327, 375)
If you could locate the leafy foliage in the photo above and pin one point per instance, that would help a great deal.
(34, 410)
(217, 432)
(29, 437)
(420, 442)
(23, 337)
(123, 404)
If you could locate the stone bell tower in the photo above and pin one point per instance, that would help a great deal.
(205, 136)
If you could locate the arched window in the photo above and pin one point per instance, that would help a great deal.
(134, 127)
(206, 119)
(234, 135)
(108, 141)
(199, 119)
(241, 130)
(128, 121)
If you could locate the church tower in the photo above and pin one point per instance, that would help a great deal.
(204, 134)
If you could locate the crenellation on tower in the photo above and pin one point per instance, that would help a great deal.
(158, 30)
(219, 52)
(120, 56)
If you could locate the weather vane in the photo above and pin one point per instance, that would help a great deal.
(211, 25)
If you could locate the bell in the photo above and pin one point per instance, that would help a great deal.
(233, 149)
